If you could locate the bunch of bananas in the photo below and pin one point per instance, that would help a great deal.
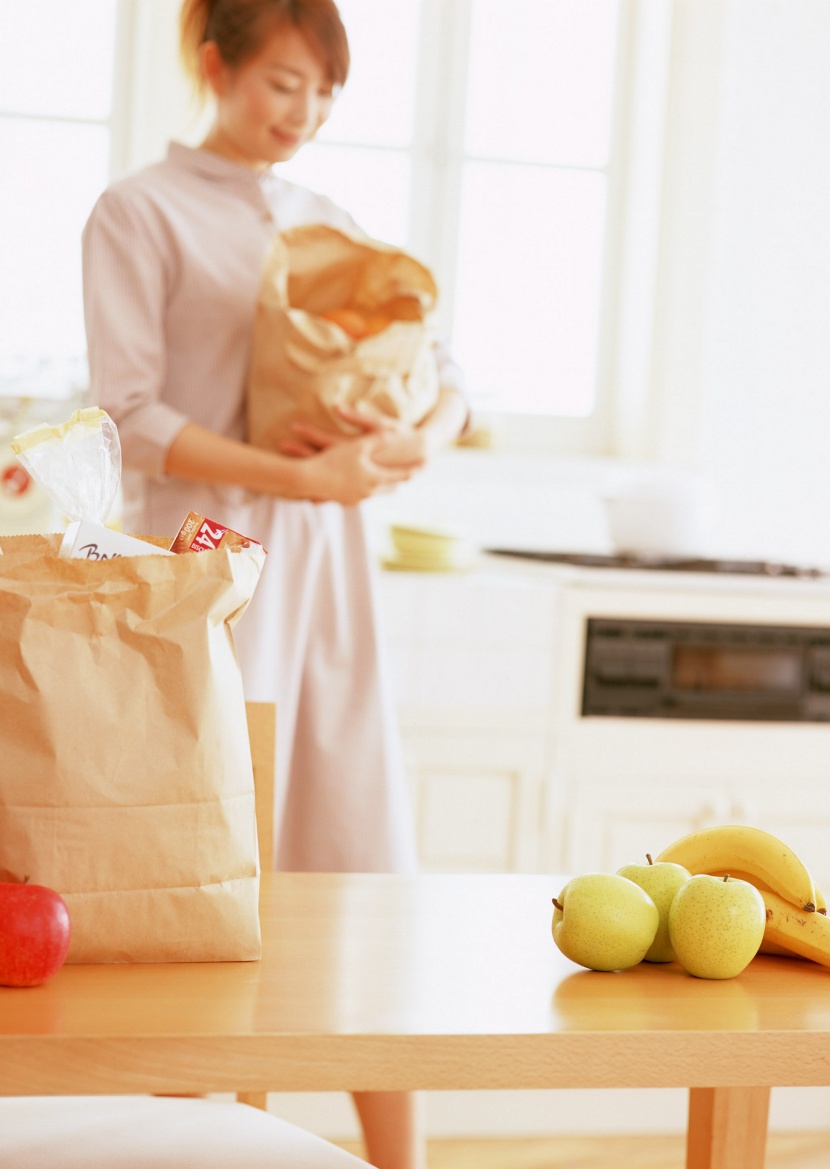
(797, 921)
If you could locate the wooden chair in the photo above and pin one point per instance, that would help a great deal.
(262, 730)
(262, 733)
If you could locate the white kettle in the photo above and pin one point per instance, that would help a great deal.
(661, 515)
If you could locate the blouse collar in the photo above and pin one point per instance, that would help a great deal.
(220, 169)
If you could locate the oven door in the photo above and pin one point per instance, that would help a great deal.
(697, 670)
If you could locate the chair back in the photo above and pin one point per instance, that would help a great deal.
(262, 720)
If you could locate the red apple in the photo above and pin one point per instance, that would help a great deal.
(34, 933)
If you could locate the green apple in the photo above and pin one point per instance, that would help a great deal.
(604, 921)
(661, 881)
(716, 925)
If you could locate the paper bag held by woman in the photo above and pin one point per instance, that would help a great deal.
(340, 320)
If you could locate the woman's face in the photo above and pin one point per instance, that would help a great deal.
(271, 104)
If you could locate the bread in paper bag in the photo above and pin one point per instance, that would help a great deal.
(305, 363)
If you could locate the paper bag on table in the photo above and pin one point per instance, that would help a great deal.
(340, 320)
(126, 781)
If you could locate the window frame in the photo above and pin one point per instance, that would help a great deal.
(632, 219)
(623, 404)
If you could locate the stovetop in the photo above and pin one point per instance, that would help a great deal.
(664, 563)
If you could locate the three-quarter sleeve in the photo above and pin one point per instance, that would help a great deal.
(127, 267)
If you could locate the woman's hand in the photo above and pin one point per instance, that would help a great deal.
(346, 470)
(397, 444)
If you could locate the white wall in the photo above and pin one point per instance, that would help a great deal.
(741, 363)
(765, 368)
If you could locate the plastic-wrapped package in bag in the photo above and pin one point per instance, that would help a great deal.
(78, 464)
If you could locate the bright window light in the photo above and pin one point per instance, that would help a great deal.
(529, 284)
(377, 106)
(372, 185)
(541, 81)
(56, 82)
(60, 169)
(56, 57)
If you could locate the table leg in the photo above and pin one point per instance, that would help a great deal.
(727, 1128)
(255, 1099)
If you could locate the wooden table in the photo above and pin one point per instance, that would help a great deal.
(432, 982)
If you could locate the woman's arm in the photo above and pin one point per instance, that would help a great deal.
(346, 473)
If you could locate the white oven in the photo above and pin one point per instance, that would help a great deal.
(686, 699)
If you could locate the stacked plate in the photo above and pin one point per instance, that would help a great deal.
(427, 550)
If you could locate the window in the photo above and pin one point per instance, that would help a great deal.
(56, 111)
(479, 134)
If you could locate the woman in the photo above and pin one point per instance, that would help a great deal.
(172, 258)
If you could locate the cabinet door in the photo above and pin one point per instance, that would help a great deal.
(470, 652)
(599, 827)
(477, 800)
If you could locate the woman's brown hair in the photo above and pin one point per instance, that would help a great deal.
(240, 27)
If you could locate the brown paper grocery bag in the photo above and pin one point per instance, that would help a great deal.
(303, 365)
(126, 781)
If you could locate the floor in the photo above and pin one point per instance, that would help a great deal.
(784, 1151)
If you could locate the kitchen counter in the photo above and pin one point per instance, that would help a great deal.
(558, 575)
